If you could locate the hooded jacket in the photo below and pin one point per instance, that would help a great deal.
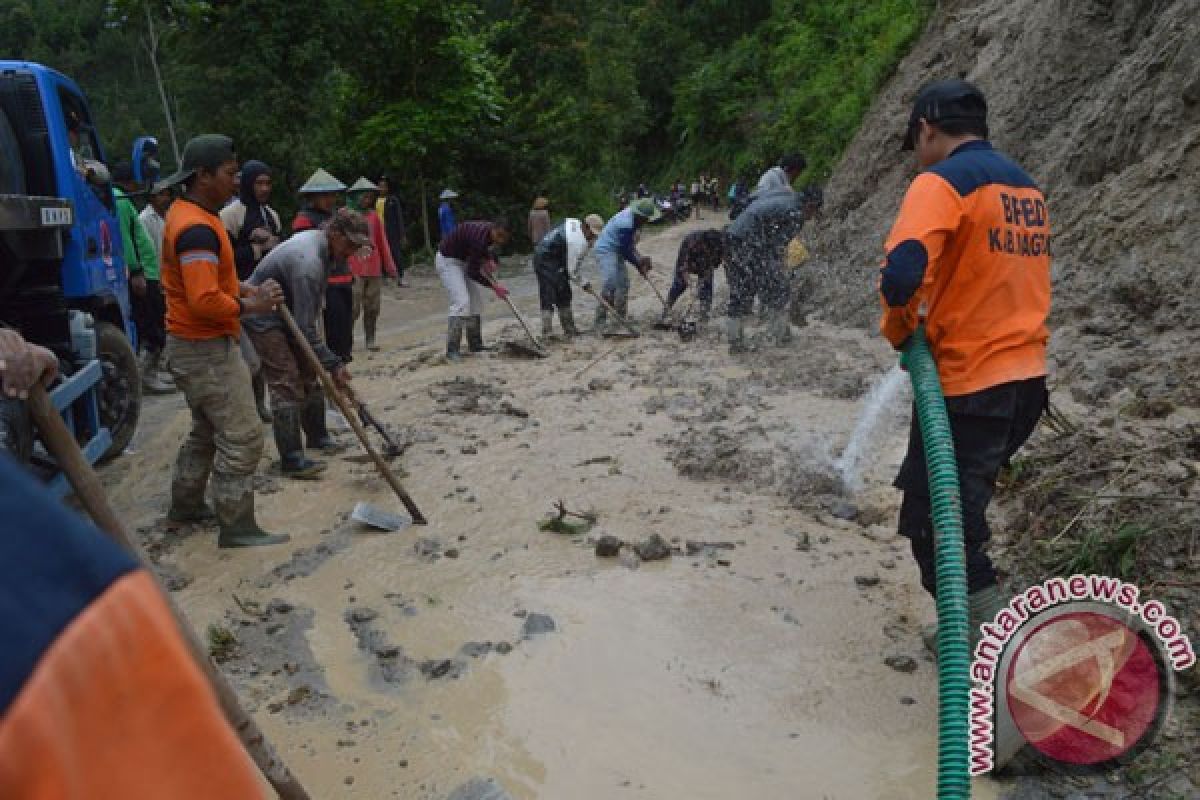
(244, 215)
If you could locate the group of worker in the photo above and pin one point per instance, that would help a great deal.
(983, 306)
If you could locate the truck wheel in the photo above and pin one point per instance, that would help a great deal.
(12, 167)
(120, 390)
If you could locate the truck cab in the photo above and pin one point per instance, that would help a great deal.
(63, 278)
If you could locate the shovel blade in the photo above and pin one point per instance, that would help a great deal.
(376, 517)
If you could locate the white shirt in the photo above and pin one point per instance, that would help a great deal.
(154, 224)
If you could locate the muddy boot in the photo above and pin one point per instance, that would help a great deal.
(475, 335)
(188, 506)
(600, 324)
(369, 328)
(312, 420)
(292, 461)
(982, 607)
(235, 514)
(547, 322)
(259, 384)
(567, 317)
(152, 383)
(454, 332)
(779, 327)
(736, 332)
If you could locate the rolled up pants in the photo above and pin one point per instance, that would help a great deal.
(226, 438)
(466, 296)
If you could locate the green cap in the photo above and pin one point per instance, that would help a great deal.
(362, 185)
(208, 151)
(644, 207)
(321, 182)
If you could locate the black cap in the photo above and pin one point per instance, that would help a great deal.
(945, 101)
(209, 150)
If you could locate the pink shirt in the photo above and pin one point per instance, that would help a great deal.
(381, 254)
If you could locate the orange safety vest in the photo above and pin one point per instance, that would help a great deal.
(202, 296)
(971, 247)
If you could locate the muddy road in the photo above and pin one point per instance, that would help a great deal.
(775, 652)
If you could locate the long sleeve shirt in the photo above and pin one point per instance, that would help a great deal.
(140, 254)
(972, 245)
(618, 237)
(301, 265)
(446, 222)
(471, 243)
(700, 253)
(371, 266)
(154, 224)
(562, 249)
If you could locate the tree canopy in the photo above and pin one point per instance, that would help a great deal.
(501, 99)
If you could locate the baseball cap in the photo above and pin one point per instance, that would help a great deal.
(207, 151)
(595, 223)
(644, 207)
(352, 225)
(945, 101)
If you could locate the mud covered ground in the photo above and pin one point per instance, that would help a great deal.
(751, 631)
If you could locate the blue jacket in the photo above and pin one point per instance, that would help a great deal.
(617, 237)
(446, 222)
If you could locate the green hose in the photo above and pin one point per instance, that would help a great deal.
(954, 658)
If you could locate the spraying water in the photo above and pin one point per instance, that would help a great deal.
(849, 466)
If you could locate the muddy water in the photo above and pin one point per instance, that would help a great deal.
(754, 670)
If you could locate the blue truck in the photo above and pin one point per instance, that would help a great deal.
(63, 278)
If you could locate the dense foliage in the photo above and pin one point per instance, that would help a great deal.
(502, 99)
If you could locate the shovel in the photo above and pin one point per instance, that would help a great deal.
(376, 517)
(537, 346)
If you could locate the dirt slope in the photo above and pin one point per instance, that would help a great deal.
(1100, 101)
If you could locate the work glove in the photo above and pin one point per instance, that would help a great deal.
(645, 265)
(500, 290)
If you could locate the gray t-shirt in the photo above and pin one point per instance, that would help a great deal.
(301, 265)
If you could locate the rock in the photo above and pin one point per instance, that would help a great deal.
(694, 548)
(278, 606)
(536, 624)
(901, 663)
(475, 649)
(361, 615)
(480, 789)
(608, 546)
(442, 668)
(866, 581)
(907, 701)
(503, 648)
(844, 510)
(427, 548)
(451, 552)
(803, 542)
(468, 450)
(654, 548)
(599, 384)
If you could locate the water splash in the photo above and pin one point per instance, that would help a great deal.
(882, 394)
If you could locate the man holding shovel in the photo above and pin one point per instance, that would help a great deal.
(466, 262)
(302, 265)
(556, 259)
(700, 253)
(614, 247)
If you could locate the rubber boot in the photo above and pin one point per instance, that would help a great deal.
(312, 420)
(292, 461)
(369, 327)
(188, 506)
(259, 384)
(779, 327)
(235, 515)
(600, 324)
(547, 322)
(621, 304)
(475, 334)
(454, 331)
(158, 368)
(151, 382)
(982, 607)
(736, 332)
(567, 317)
